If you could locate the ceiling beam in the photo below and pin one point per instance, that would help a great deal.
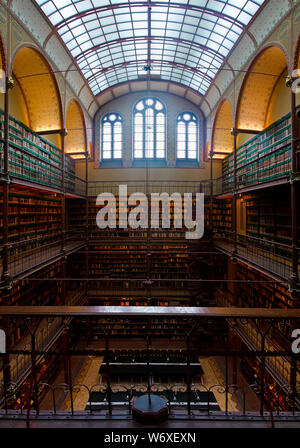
(153, 61)
(99, 9)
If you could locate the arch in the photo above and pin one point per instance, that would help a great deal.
(222, 140)
(141, 85)
(39, 89)
(258, 86)
(111, 136)
(149, 128)
(187, 133)
(75, 140)
(297, 55)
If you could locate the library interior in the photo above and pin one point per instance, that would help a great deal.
(108, 324)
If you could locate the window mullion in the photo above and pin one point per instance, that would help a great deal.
(112, 146)
(186, 141)
(154, 133)
(144, 132)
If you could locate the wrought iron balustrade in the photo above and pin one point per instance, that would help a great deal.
(235, 397)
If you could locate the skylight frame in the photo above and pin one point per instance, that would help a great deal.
(195, 40)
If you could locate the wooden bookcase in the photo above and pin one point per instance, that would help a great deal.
(264, 158)
(222, 217)
(261, 295)
(269, 215)
(33, 158)
(26, 293)
(34, 220)
(274, 396)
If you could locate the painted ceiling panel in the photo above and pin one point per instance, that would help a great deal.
(32, 73)
(258, 87)
(116, 41)
(222, 139)
(75, 139)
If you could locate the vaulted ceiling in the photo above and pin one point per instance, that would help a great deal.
(182, 41)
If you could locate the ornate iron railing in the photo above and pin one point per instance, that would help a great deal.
(266, 395)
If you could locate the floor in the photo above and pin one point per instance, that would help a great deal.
(85, 375)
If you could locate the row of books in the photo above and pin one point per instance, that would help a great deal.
(33, 158)
(261, 295)
(31, 214)
(263, 158)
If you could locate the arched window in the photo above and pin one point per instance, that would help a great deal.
(149, 125)
(187, 136)
(111, 142)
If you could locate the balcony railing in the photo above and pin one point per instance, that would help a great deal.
(272, 256)
(30, 253)
(152, 186)
(272, 398)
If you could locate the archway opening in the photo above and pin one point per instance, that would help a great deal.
(75, 140)
(256, 93)
(35, 100)
(222, 141)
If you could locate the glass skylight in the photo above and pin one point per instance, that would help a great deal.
(189, 39)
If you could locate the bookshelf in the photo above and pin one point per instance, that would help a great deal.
(26, 293)
(47, 368)
(129, 260)
(222, 217)
(76, 214)
(274, 396)
(170, 233)
(261, 295)
(269, 215)
(33, 158)
(34, 220)
(264, 158)
(171, 329)
(269, 228)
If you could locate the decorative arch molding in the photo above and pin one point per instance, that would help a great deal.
(75, 140)
(40, 88)
(155, 85)
(222, 140)
(258, 85)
